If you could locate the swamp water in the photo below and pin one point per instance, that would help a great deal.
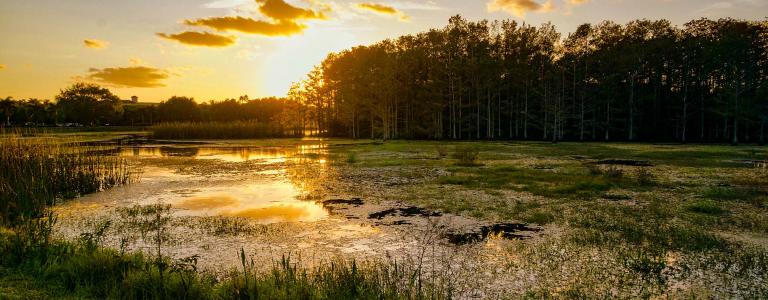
(213, 201)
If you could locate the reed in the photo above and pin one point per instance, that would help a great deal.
(218, 130)
(38, 171)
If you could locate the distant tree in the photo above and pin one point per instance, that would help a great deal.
(88, 104)
(178, 109)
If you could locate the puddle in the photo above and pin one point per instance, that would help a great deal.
(512, 231)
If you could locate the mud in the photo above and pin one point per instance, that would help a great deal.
(511, 231)
(625, 162)
(410, 211)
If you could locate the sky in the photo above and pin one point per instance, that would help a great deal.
(217, 49)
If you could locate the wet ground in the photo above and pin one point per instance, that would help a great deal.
(270, 201)
(318, 200)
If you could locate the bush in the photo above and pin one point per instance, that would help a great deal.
(442, 151)
(351, 157)
(613, 172)
(466, 156)
(644, 176)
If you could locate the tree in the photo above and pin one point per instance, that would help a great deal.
(178, 109)
(88, 104)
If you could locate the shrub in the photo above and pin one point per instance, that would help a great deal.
(594, 169)
(613, 172)
(442, 151)
(644, 176)
(466, 156)
(351, 157)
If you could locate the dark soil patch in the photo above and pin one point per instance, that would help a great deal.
(510, 231)
(353, 202)
(625, 162)
(410, 211)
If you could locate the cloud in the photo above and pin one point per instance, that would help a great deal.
(382, 9)
(282, 11)
(95, 44)
(205, 39)
(135, 76)
(2, 67)
(248, 25)
(520, 8)
(578, 2)
(226, 3)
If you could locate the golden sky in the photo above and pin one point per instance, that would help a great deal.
(216, 49)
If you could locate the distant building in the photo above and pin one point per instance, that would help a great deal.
(134, 100)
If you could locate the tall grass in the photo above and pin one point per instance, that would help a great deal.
(217, 130)
(37, 172)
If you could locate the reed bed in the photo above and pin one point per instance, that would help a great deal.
(218, 130)
(37, 172)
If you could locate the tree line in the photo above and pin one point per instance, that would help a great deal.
(704, 81)
(92, 105)
(644, 80)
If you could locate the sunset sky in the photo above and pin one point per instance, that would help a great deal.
(215, 49)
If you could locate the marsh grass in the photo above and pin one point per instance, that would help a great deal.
(38, 172)
(218, 130)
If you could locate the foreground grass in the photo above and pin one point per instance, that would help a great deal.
(33, 265)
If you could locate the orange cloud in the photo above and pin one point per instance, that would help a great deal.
(139, 76)
(2, 66)
(520, 8)
(577, 2)
(383, 9)
(248, 25)
(95, 44)
(204, 39)
(282, 11)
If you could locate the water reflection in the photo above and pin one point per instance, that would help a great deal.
(266, 202)
(228, 154)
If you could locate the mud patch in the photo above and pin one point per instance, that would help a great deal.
(411, 211)
(511, 231)
(625, 162)
(352, 202)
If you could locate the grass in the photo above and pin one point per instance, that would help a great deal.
(38, 172)
(574, 184)
(61, 269)
(217, 130)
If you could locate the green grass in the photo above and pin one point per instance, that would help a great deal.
(707, 207)
(573, 183)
